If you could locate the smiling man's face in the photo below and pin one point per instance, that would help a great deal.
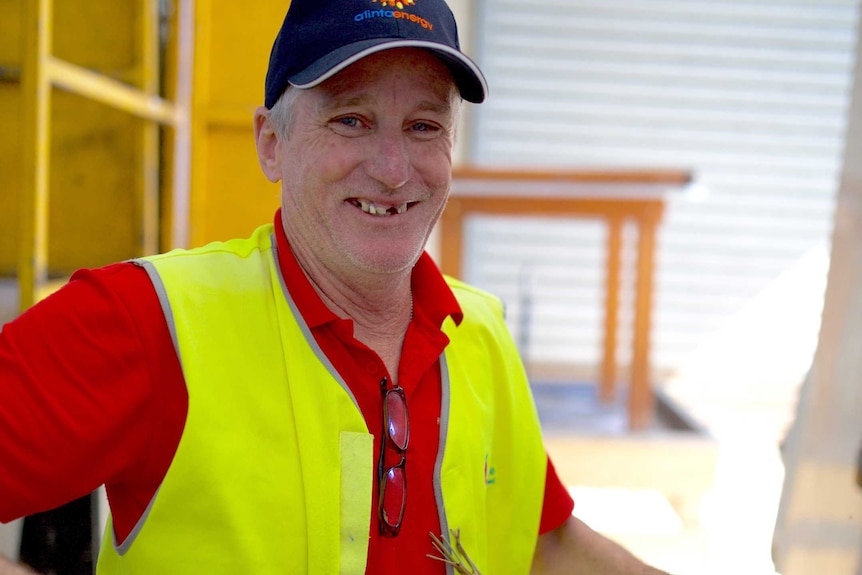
(366, 165)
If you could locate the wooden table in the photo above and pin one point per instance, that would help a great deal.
(612, 196)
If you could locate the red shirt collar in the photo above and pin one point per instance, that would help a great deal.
(432, 297)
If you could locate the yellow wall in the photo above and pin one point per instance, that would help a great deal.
(230, 195)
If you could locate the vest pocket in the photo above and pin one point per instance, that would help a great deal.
(357, 472)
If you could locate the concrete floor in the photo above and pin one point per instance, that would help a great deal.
(683, 500)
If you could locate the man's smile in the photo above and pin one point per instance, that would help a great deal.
(380, 209)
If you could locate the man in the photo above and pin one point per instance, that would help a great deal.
(315, 398)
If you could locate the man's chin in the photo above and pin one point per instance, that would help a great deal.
(386, 262)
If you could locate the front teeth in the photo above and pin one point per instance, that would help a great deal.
(374, 209)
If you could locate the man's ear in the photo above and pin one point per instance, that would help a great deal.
(266, 139)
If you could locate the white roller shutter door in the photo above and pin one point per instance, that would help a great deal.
(749, 95)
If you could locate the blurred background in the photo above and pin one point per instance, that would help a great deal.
(666, 195)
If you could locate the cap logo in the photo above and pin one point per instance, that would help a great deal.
(399, 5)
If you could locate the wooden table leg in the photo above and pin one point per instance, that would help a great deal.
(612, 289)
(451, 239)
(641, 400)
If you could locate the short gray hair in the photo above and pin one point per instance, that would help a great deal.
(281, 114)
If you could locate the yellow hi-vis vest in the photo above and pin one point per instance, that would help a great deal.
(273, 473)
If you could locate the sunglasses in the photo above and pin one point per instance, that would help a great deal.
(393, 479)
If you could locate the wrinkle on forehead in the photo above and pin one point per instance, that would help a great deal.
(335, 101)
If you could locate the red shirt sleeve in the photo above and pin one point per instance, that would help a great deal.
(558, 504)
(78, 407)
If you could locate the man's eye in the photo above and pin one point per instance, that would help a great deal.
(423, 127)
(349, 121)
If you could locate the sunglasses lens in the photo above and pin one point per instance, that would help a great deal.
(396, 419)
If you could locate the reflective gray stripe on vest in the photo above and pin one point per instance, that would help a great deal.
(441, 448)
(306, 331)
(162, 294)
(122, 548)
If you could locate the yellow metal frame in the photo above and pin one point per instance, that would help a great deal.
(41, 71)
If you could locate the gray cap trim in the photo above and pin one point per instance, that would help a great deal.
(458, 63)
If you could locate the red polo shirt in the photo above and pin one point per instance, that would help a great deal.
(93, 393)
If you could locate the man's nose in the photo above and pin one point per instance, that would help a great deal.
(389, 160)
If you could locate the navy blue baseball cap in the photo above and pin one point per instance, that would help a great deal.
(319, 38)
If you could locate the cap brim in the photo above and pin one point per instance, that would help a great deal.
(467, 75)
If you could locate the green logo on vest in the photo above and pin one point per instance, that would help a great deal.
(489, 473)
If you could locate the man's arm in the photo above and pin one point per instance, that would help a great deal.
(81, 395)
(575, 548)
(9, 568)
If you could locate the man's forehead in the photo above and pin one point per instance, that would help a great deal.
(335, 101)
(420, 71)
